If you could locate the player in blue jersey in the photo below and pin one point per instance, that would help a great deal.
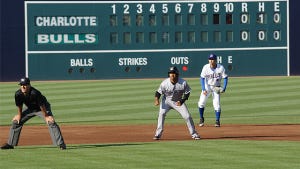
(210, 79)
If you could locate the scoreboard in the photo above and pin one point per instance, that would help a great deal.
(141, 39)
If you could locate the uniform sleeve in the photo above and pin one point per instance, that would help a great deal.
(187, 88)
(225, 83)
(160, 89)
(202, 82)
(18, 98)
(202, 78)
(224, 75)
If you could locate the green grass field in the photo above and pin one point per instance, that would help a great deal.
(251, 100)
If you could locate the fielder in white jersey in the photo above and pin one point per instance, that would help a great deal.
(210, 79)
(175, 92)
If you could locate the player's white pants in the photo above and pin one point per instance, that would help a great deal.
(215, 96)
(165, 106)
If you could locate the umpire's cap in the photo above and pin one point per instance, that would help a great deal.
(173, 69)
(24, 81)
(212, 57)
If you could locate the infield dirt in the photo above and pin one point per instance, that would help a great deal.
(94, 134)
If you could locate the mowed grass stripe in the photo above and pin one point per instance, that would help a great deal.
(117, 106)
(114, 91)
(253, 99)
(104, 94)
(107, 85)
(103, 102)
(264, 84)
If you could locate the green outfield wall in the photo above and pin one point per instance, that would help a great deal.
(141, 39)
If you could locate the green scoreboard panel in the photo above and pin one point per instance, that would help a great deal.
(141, 39)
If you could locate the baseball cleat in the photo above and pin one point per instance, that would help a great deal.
(217, 124)
(195, 137)
(63, 146)
(156, 138)
(7, 146)
(201, 123)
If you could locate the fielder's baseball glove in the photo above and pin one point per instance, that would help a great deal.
(218, 90)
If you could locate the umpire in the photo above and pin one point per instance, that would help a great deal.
(37, 105)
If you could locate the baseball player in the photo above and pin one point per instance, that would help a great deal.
(210, 79)
(175, 92)
(36, 105)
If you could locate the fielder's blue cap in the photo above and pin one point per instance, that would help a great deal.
(212, 57)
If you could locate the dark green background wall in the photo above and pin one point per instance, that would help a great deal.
(12, 56)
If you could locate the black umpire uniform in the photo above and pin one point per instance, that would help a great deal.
(34, 101)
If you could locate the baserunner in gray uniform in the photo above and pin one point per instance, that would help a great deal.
(175, 92)
(37, 105)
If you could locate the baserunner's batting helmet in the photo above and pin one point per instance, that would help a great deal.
(173, 69)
